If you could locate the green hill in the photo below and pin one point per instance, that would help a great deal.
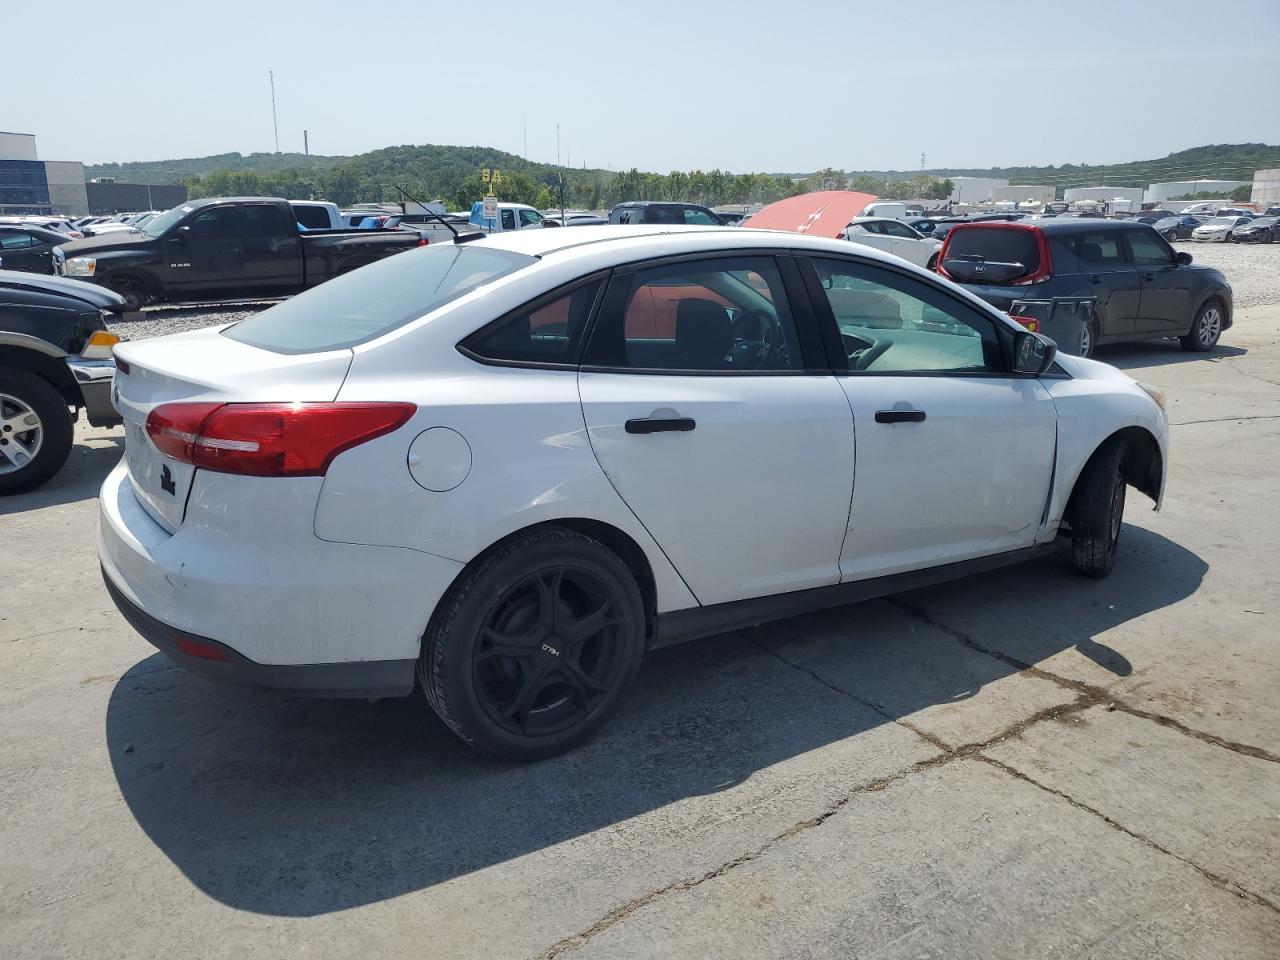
(452, 173)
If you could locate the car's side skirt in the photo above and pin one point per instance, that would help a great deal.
(677, 626)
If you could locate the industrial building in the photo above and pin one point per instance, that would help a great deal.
(31, 185)
(974, 189)
(1266, 188)
(108, 196)
(1160, 192)
(1020, 193)
(1103, 194)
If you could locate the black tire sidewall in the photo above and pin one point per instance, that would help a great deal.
(1192, 340)
(446, 662)
(55, 419)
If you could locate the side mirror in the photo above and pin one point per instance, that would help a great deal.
(1183, 258)
(181, 234)
(1033, 353)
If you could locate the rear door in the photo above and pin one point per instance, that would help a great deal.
(871, 234)
(1112, 278)
(723, 434)
(955, 454)
(272, 249)
(1167, 294)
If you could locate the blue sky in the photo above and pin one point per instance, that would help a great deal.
(661, 85)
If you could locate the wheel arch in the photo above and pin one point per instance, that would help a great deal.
(615, 539)
(1212, 296)
(48, 367)
(1142, 464)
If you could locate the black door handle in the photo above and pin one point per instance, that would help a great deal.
(899, 416)
(1095, 278)
(673, 425)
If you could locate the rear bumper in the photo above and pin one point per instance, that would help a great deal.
(246, 572)
(220, 664)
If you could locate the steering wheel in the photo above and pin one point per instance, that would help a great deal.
(751, 352)
(865, 358)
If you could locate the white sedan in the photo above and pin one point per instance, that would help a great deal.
(894, 236)
(504, 469)
(1217, 230)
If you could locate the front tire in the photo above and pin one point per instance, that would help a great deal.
(1097, 511)
(531, 651)
(1206, 330)
(134, 297)
(1088, 338)
(35, 431)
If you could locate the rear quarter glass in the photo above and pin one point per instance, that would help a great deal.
(375, 299)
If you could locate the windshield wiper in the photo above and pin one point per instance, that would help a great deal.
(457, 237)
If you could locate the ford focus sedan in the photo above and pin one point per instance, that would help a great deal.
(505, 469)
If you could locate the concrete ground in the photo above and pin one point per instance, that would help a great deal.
(1023, 764)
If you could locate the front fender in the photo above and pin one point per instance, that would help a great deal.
(1090, 411)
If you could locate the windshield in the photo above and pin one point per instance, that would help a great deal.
(369, 302)
(159, 225)
(1221, 222)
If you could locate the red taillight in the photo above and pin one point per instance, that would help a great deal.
(423, 241)
(122, 366)
(269, 439)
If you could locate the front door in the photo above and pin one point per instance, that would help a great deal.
(1167, 295)
(704, 414)
(272, 249)
(206, 252)
(955, 454)
(24, 251)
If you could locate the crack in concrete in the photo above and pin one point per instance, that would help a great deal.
(1087, 696)
(1218, 880)
(1190, 423)
(1097, 694)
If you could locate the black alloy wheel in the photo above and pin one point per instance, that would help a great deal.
(549, 652)
(531, 650)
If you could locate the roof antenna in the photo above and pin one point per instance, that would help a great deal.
(457, 237)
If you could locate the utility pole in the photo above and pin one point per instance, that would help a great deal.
(557, 144)
(274, 126)
(306, 144)
(524, 122)
(922, 161)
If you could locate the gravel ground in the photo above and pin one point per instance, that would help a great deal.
(1252, 269)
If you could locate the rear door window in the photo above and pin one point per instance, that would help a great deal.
(266, 221)
(375, 299)
(1100, 249)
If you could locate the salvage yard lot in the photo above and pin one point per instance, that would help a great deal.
(1021, 764)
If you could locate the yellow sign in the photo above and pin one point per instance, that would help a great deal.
(484, 174)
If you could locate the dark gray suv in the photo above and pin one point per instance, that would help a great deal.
(1142, 289)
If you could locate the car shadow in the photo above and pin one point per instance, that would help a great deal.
(299, 807)
(1159, 353)
(80, 478)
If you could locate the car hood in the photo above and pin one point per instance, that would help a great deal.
(117, 240)
(92, 294)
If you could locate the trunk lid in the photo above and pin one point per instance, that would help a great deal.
(204, 366)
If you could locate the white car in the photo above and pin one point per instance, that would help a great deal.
(505, 468)
(1217, 230)
(894, 236)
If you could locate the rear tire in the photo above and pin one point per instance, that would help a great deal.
(1096, 512)
(1206, 330)
(30, 457)
(531, 650)
(932, 264)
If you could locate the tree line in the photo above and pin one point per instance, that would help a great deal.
(354, 181)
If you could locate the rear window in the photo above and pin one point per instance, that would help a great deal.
(372, 300)
(313, 218)
(996, 244)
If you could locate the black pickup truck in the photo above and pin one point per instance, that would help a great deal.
(224, 248)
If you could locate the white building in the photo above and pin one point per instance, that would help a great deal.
(1103, 194)
(1016, 193)
(1266, 188)
(1160, 192)
(17, 146)
(974, 189)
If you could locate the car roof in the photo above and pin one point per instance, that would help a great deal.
(659, 203)
(1060, 225)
